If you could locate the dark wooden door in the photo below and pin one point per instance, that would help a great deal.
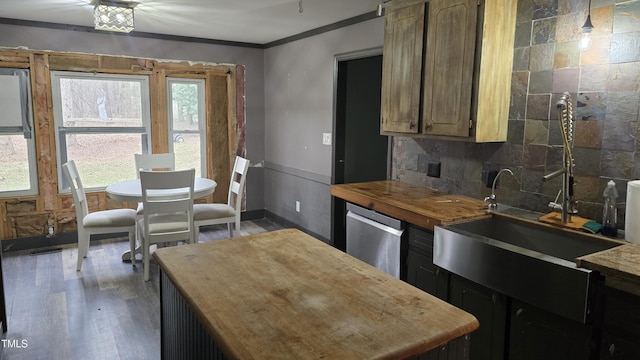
(360, 153)
(421, 272)
(538, 334)
(490, 308)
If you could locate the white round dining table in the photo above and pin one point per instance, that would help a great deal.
(131, 190)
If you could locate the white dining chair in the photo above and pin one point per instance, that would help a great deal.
(167, 197)
(98, 222)
(164, 161)
(151, 162)
(229, 213)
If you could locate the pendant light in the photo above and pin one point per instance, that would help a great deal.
(585, 42)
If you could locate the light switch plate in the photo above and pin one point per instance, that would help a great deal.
(326, 138)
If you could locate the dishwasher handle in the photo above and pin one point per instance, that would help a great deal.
(375, 216)
(387, 229)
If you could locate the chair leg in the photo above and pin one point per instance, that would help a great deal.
(237, 226)
(230, 227)
(85, 249)
(132, 246)
(83, 244)
(138, 236)
(145, 259)
(196, 234)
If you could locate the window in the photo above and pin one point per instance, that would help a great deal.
(18, 175)
(101, 121)
(186, 115)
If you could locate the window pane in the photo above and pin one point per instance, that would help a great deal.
(186, 132)
(184, 106)
(14, 172)
(187, 150)
(101, 103)
(104, 159)
(101, 121)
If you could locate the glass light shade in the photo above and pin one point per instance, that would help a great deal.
(585, 42)
(112, 16)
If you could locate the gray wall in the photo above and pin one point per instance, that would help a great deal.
(289, 104)
(299, 103)
(95, 43)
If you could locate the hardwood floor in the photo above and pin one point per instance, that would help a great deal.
(106, 311)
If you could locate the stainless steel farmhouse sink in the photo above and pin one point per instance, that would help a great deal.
(529, 261)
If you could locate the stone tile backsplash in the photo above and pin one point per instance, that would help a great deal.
(604, 82)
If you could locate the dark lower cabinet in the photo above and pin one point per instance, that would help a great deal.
(490, 308)
(620, 325)
(514, 330)
(428, 278)
(421, 272)
(618, 348)
(537, 334)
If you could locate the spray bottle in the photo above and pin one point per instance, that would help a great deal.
(610, 212)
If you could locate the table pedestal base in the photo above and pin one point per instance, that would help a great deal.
(126, 256)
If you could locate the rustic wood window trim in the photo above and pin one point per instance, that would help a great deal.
(29, 216)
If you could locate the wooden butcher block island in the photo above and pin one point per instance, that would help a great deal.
(287, 295)
(414, 204)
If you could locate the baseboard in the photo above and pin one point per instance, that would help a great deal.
(252, 215)
(44, 243)
(286, 223)
(48, 243)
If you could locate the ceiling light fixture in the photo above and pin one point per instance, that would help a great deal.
(585, 42)
(116, 16)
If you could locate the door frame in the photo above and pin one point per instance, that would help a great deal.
(353, 55)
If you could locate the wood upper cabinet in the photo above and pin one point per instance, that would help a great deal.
(464, 80)
(402, 67)
(451, 40)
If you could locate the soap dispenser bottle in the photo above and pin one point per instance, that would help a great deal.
(610, 212)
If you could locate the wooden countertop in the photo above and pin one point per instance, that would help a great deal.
(303, 299)
(619, 265)
(417, 205)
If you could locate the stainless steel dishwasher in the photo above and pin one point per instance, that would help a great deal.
(375, 238)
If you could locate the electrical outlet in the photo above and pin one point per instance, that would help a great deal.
(297, 206)
(489, 176)
(433, 170)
